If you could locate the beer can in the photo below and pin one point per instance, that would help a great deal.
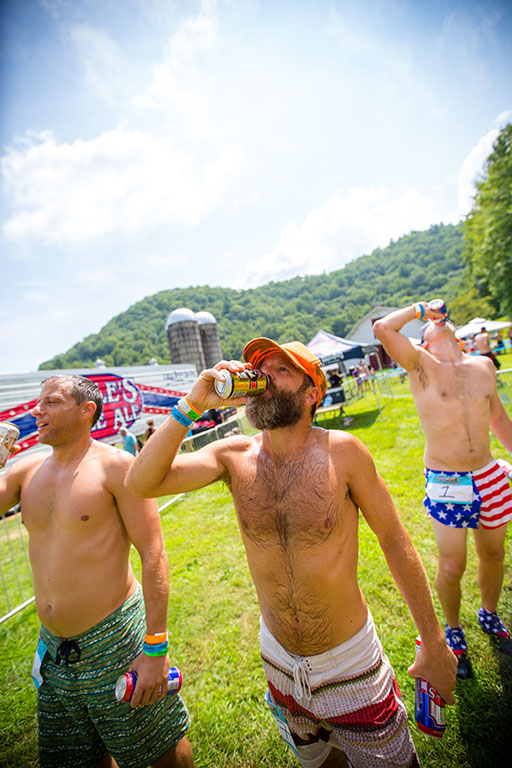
(125, 684)
(9, 433)
(438, 305)
(242, 384)
(429, 708)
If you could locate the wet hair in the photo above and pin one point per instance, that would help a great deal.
(81, 390)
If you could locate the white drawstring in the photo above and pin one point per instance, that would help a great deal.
(301, 680)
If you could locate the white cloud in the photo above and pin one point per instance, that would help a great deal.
(105, 68)
(471, 168)
(122, 180)
(175, 84)
(503, 117)
(342, 229)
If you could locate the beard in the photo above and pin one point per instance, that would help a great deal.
(283, 409)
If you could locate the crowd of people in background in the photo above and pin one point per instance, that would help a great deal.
(361, 373)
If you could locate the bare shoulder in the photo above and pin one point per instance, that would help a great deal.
(233, 446)
(113, 461)
(480, 362)
(345, 445)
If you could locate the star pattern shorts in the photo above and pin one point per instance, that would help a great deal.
(490, 505)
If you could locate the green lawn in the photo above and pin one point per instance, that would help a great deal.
(213, 620)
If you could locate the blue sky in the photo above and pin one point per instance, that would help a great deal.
(148, 145)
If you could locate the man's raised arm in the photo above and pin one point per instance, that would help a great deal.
(157, 470)
(396, 344)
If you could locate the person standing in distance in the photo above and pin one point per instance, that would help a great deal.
(297, 491)
(457, 401)
(129, 441)
(483, 345)
(96, 621)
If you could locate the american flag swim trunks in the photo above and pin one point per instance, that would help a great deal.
(489, 507)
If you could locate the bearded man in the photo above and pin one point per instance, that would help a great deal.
(297, 491)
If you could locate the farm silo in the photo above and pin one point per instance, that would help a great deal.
(210, 340)
(184, 339)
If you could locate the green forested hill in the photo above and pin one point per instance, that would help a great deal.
(419, 265)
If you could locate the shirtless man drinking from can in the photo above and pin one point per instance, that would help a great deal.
(81, 520)
(297, 491)
(457, 401)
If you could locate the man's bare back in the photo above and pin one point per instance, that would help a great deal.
(299, 527)
(78, 543)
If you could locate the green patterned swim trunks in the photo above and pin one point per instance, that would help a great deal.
(80, 721)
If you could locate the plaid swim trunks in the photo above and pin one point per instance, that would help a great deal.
(469, 499)
(80, 721)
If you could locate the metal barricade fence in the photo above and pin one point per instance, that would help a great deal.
(16, 590)
(194, 442)
(382, 382)
(15, 573)
(386, 384)
(505, 388)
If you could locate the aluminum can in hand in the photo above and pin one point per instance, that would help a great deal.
(429, 708)
(241, 384)
(438, 305)
(9, 433)
(125, 685)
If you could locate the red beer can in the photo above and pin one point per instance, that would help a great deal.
(438, 305)
(429, 708)
(125, 684)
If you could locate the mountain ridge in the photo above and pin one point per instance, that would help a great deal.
(418, 265)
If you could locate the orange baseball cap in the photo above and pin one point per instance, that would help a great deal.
(257, 350)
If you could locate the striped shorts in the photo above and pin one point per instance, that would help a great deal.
(346, 698)
(80, 721)
(490, 507)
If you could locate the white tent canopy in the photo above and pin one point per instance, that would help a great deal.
(477, 323)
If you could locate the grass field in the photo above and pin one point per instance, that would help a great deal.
(213, 621)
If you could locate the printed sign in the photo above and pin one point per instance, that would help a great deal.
(124, 401)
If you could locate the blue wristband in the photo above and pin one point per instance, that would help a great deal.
(180, 416)
(159, 649)
(420, 310)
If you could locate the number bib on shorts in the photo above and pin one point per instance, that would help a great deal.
(449, 489)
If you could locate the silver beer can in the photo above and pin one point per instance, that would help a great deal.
(9, 433)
